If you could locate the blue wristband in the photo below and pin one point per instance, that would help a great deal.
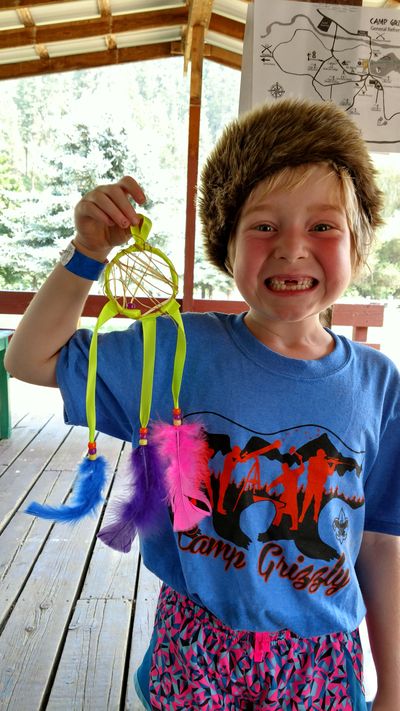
(81, 265)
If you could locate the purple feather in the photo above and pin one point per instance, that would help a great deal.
(142, 509)
(86, 494)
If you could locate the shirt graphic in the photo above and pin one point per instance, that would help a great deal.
(298, 472)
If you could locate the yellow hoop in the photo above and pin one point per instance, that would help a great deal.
(140, 234)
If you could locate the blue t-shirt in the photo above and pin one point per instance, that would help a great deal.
(303, 457)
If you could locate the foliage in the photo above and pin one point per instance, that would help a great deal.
(9, 187)
(63, 135)
(388, 181)
(382, 279)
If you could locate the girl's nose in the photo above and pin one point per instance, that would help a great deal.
(291, 245)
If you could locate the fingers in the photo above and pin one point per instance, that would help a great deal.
(111, 204)
(103, 216)
(133, 189)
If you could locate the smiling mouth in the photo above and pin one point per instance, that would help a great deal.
(301, 284)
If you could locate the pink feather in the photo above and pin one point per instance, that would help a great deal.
(185, 453)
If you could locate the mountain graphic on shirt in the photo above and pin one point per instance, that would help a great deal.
(299, 480)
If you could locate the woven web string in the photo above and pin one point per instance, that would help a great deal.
(139, 275)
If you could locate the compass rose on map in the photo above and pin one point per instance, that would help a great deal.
(277, 90)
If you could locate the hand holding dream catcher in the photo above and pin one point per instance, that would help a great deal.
(168, 461)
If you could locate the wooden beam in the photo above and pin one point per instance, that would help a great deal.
(42, 51)
(199, 14)
(100, 26)
(104, 8)
(14, 4)
(25, 17)
(226, 26)
(111, 42)
(223, 56)
(196, 75)
(197, 48)
(88, 60)
(215, 54)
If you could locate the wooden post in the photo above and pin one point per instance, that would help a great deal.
(193, 161)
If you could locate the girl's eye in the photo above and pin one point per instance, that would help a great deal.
(264, 228)
(322, 227)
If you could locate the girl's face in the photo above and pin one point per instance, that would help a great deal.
(291, 254)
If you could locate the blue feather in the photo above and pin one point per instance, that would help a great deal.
(86, 494)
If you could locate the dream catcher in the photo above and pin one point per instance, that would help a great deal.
(168, 463)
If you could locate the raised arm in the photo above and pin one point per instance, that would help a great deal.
(102, 221)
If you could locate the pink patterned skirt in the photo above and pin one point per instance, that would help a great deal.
(199, 664)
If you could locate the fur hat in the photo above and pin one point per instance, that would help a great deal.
(289, 132)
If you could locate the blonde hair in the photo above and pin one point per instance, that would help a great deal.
(291, 177)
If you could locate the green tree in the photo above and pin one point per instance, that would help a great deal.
(87, 157)
(389, 252)
(382, 278)
(388, 181)
(10, 184)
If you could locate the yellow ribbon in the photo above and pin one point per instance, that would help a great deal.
(112, 308)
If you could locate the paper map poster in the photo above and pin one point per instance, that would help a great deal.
(346, 54)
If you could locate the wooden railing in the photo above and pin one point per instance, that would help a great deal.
(359, 316)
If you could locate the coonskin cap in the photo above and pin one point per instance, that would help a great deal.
(289, 132)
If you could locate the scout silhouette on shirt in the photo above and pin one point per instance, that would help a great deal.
(320, 467)
(288, 499)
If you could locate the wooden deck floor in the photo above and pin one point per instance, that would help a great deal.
(75, 616)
